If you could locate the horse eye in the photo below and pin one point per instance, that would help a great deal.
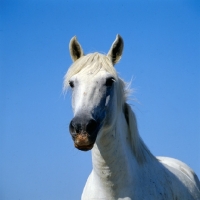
(110, 81)
(71, 84)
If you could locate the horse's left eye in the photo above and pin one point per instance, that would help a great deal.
(110, 81)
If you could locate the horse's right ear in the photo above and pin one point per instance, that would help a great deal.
(75, 49)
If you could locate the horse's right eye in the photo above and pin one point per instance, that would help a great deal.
(110, 81)
(71, 84)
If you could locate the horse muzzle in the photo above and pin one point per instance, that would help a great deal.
(83, 132)
(82, 142)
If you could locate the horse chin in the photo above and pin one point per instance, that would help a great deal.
(84, 148)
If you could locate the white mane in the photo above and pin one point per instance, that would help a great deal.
(140, 150)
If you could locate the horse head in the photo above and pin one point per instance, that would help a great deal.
(93, 81)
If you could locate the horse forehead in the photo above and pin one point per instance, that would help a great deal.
(90, 77)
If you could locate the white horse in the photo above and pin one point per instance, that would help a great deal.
(123, 167)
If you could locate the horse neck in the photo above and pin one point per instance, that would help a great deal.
(112, 154)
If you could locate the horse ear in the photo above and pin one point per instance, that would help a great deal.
(116, 49)
(75, 49)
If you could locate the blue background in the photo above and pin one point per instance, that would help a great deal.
(161, 56)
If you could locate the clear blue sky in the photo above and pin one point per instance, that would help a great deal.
(161, 56)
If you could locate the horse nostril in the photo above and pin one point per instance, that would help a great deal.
(91, 126)
(74, 127)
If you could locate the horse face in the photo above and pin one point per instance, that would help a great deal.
(92, 98)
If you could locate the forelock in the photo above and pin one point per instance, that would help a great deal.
(90, 63)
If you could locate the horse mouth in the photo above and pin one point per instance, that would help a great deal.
(82, 142)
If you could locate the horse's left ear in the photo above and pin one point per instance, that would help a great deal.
(116, 50)
(75, 49)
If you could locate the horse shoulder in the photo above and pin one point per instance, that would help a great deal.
(182, 176)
